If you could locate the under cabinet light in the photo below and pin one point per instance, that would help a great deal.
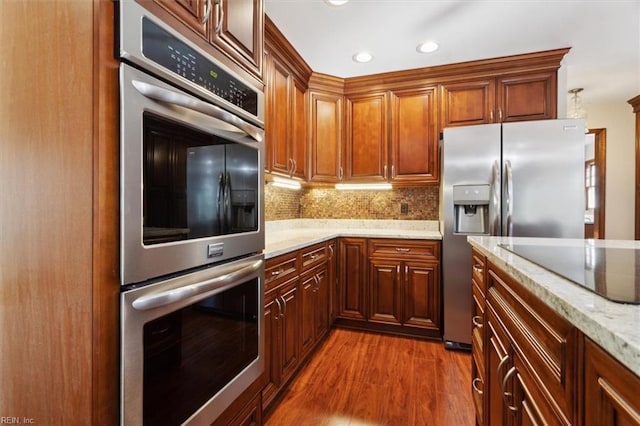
(285, 183)
(359, 186)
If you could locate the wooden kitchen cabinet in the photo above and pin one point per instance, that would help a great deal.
(404, 285)
(392, 137)
(314, 296)
(610, 390)
(518, 97)
(413, 142)
(530, 354)
(479, 335)
(325, 141)
(234, 27)
(286, 137)
(366, 157)
(352, 279)
(282, 317)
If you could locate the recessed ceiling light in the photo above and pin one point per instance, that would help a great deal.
(427, 47)
(336, 2)
(362, 57)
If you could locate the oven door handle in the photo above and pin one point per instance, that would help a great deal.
(155, 300)
(169, 96)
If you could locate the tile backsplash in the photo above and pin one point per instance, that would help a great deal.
(328, 203)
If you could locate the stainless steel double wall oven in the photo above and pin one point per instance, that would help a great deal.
(192, 226)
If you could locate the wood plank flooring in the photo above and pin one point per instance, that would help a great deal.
(357, 379)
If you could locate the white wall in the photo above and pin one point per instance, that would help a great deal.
(619, 120)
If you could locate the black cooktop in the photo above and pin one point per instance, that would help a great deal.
(613, 273)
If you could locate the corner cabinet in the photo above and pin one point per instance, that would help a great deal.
(517, 97)
(234, 27)
(325, 133)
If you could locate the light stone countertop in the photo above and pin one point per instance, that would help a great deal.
(283, 236)
(614, 326)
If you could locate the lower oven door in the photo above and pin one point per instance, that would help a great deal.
(190, 345)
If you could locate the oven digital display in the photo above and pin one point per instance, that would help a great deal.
(174, 55)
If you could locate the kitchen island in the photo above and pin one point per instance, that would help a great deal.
(546, 347)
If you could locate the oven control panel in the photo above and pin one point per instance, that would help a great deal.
(166, 50)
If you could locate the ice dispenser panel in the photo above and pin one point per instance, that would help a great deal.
(471, 209)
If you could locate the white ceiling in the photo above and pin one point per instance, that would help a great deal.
(604, 36)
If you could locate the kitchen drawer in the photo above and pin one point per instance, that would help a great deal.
(279, 269)
(313, 255)
(546, 343)
(478, 268)
(423, 249)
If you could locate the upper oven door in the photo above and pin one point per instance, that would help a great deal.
(191, 181)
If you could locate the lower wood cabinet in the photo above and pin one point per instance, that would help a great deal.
(532, 367)
(352, 278)
(282, 344)
(400, 290)
(611, 391)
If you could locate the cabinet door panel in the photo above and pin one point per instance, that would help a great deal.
(499, 361)
(272, 341)
(290, 318)
(322, 303)
(298, 130)
(241, 29)
(422, 294)
(528, 97)
(278, 127)
(307, 312)
(352, 297)
(366, 153)
(386, 296)
(189, 12)
(326, 137)
(414, 140)
(468, 103)
(611, 390)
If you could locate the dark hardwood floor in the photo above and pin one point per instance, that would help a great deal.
(358, 379)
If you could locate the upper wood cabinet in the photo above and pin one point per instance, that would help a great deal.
(286, 78)
(325, 141)
(286, 130)
(238, 30)
(519, 97)
(367, 138)
(414, 137)
(234, 27)
(392, 137)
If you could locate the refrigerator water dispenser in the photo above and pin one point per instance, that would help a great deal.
(471, 209)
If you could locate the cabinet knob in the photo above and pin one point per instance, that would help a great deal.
(478, 269)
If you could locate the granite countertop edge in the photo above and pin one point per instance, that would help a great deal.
(282, 237)
(614, 326)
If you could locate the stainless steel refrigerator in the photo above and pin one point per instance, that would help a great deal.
(522, 179)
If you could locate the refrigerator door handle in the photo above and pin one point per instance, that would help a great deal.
(495, 198)
(509, 197)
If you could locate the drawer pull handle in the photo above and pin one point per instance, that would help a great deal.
(403, 250)
(474, 384)
(477, 321)
(276, 273)
(506, 394)
(313, 256)
(478, 269)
